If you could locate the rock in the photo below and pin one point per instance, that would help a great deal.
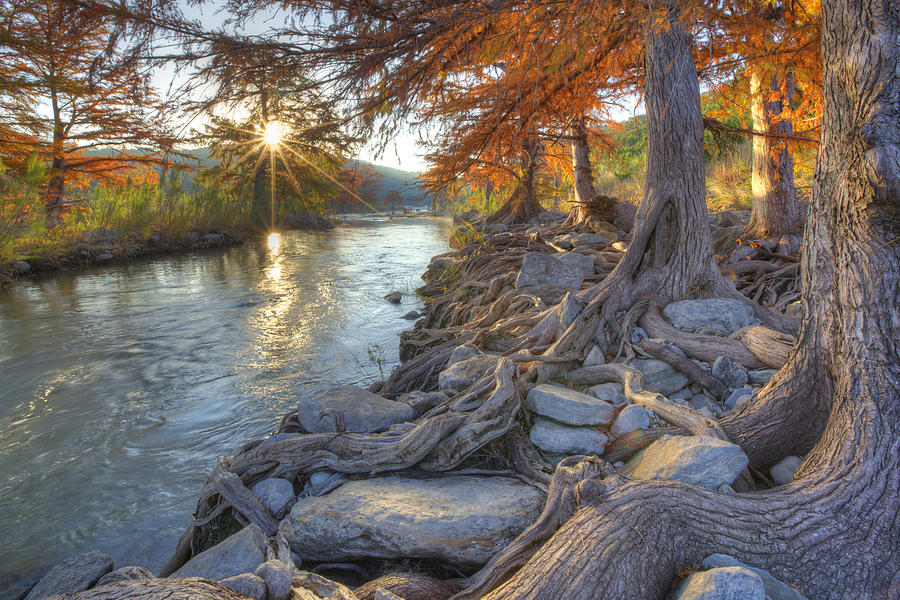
(660, 377)
(212, 238)
(568, 309)
(564, 241)
(463, 520)
(631, 418)
(276, 493)
(75, 574)
(698, 460)
(737, 395)
(239, 553)
(422, 402)
(711, 316)
(775, 589)
(411, 315)
(362, 410)
(126, 574)
(496, 228)
(682, 394)
(459, 376)
(581, 262)
(594, 357)
(620, 246)
(727, 583)
(701, 401)
(277, 576)
(104, 256)
(589, 239)
(383, 594)
(794, 309)
(603, 228)
(784, 471)
(625, 213)
(550, 436)
(638, 334)
(20, 267)
(729, 372)
(393, 297)
(461, 353)
(613, 393)
(543, 269)
(760, 377)
(568, 406)
(724, 239)
(247, 585)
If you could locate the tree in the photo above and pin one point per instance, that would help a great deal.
(102, 111)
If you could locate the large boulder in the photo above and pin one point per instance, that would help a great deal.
(727, 583)
(659, 377)
(556, 438)
(625, 213)
(698, 460)
(362, 410)
(775, 589)
(463, 520)
(75, 574)
(710, 316)
(247, 585)
(460, 375)
(239, 553)
(126, 574)
(632, 418)
(542, 269)
(568, 406)
(579, 261)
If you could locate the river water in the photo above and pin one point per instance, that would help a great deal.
(119, 386)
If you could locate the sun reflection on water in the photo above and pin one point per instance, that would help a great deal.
(274, 242)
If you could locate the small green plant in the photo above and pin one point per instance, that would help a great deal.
(376, 357)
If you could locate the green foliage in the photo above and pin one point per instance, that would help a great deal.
(377, 358)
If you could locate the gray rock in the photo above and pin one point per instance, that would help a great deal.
(126, 574)
(784, 471)
(422, 402)
(20, 267)
(463, 520)
(276, 493)
(638, 334)
(568, 309)
(594, 357)
(212, 238)
(775, 589)
(542, 269)
(702, 461)
(589, 239)
(711, 316)
(411, 315)
(660, 377)
(726, 583)
(277, 576)
(568, 406)
(760, 377)
(625, 213)
(246, 584)
(75, 574)
(550, 436)
(574, 259)
(104, 256)
(461, 353)
(394, 297)
(701, 401)
(738, 394)
(362, 410)
(459, 376)
(729, 372)
(613, 393)
(496, 228)
(631, 418)
(684, 393)
(239, 553)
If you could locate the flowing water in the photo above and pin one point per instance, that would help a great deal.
(120, 386)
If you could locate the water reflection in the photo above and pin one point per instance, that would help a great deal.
(120, 386)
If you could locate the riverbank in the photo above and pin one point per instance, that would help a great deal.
(447, 443)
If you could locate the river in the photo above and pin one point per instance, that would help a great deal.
(120, 385)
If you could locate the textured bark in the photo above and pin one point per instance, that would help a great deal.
(191, 588)
(774, 210)
(587, 203)
(840, 512)
(523, 205)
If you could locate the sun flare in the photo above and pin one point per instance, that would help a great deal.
(273, 133)
(274, 241)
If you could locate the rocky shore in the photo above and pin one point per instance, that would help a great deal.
(443, 479)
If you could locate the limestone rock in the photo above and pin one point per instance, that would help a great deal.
(589, 239)
(701, 401)
(550, 436)
(461, 375)
(125, 574)
(463, 520)
(726, 583)
(760, 377)
(568, 406)
(702, 461)
(611, 392)
(461, 353)
(594, 357)
(277, 576)
(737, 395)
(75, 574)
(631, 418)
(542, 269)
(246, 584)
(104, 256)
(625, 213)
(239, 553)
(729, 372)
(581, 262)
(711, 316)
(276, 493)
(660, 377)
(362, 410)
(422, 402)
(411, 315)
(394, 297)
(20, 267)
(783, 471)
(568, 309)
(775, 589)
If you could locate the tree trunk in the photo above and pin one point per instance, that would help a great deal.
(583, 178)
(774, 211)
(523, 205)
(55, 194)
(833, 531)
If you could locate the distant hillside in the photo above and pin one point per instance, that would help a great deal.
(405, 182)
